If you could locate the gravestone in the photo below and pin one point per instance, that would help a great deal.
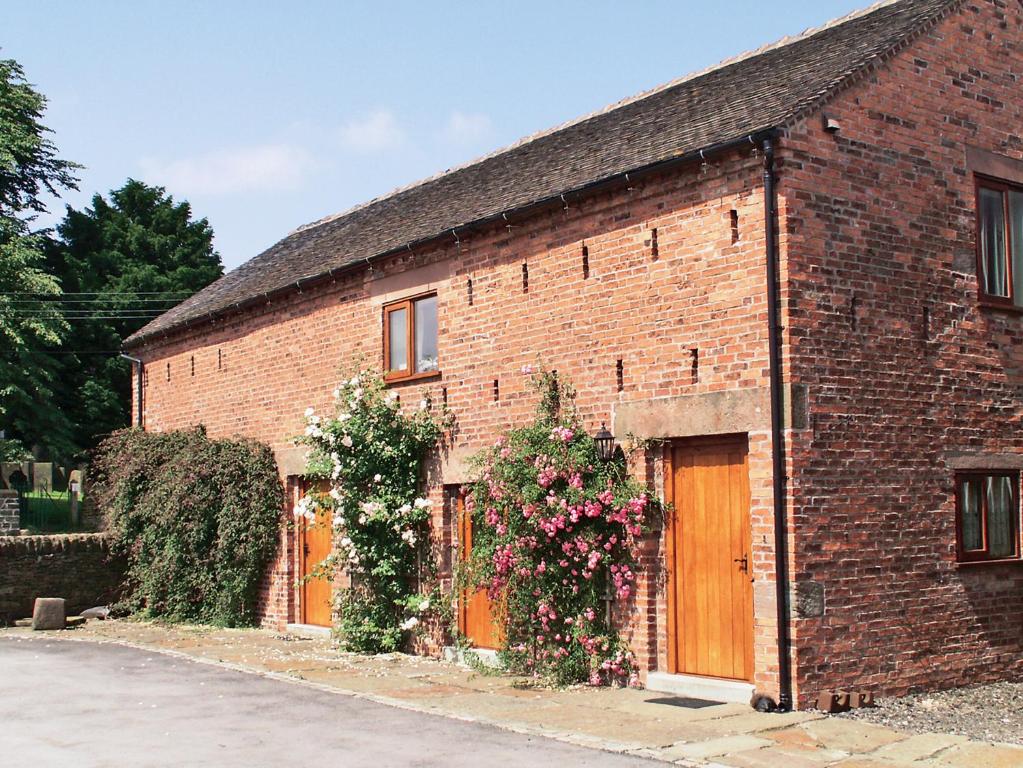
(60, 479)
(8, 468)
(42, 477)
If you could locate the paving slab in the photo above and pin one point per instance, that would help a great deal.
(919, 746)
(724, 745)
(974, 755)
(774, 757)
(755, 722)
(851, 736)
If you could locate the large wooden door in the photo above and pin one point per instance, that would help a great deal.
(710, 593)
(314, 545)
(476, 614)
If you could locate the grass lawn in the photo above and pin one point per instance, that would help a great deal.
(46, 512)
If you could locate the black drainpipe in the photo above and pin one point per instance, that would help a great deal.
(138, 386)
(781, 578)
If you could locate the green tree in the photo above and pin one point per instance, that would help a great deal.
(121, 262)
(29, 318)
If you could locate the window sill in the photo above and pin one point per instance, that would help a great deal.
(1012, 309)
(1003, 561)
(412, 377)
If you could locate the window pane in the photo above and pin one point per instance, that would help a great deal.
(426, 334)
(397, 322)
(1001, 515)
(992, 243)
(969, 498)
(1016, 235)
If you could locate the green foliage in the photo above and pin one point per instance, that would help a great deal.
(371, 455)
(13, 450)
(29, 167)
(554, 536)
(137, 253)
(197, 519)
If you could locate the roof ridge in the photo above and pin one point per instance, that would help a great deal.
(722, 64)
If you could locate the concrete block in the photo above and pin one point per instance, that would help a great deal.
(48, 613)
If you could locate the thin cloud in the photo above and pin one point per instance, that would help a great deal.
(376, 132)
(269, 167)
(467, 128)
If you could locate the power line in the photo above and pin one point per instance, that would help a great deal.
(96, 293)
(98, 317)
(74, 351)
(56, 301)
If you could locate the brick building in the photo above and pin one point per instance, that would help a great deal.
(846, 383)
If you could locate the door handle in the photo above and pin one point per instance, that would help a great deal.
(744, 560)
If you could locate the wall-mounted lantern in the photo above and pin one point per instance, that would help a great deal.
(605, 443)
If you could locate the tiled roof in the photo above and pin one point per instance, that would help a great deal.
(764, 89)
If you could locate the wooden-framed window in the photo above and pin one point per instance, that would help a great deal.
(987, 516)
(1000, 242)
(410, 338)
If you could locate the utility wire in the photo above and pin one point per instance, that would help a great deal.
(96, 293)
(55, 301)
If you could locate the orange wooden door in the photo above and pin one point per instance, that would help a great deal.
(477, 618)
(315, 545)
(710, 590)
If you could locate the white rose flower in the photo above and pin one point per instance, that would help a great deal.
(337, 393)
(423, 503)
(309, 411)
(424, 606)
(424, 404)
(343, 417)
(409, 623)
(376, 478)
(346, 441)
(354, 381)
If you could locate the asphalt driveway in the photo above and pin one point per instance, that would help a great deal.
(89, 704)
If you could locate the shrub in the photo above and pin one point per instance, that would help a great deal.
(197, 519)
(554, 533)
(371, 455)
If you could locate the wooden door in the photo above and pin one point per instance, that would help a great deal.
(477, 618)
(710, 591)
(314, 545)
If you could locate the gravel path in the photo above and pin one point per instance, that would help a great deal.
(986, 712)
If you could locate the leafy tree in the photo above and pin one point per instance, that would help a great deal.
(121, 262)
(29, 168)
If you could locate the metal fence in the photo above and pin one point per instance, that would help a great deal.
(48, 511)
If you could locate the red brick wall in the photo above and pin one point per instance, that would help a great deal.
(647, 306)
(876, 226)
(879, 227)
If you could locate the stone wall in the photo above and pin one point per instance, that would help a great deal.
(9, 520)
(77, 567)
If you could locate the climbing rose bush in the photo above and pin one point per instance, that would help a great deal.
(554, 542)
(368, 455)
